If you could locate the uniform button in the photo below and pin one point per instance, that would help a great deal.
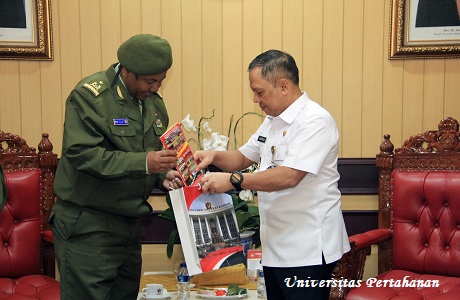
(122, 131)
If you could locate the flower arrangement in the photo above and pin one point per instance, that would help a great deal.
(246, 209)
(206, 138)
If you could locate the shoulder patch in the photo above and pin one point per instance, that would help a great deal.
(95, 87)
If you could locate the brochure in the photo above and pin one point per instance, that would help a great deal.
(174, 139)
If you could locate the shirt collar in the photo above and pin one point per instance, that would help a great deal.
(290, 113)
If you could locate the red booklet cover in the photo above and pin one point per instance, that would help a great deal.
(174, 139)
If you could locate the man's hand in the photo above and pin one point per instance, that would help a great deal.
(159, 161)
(172, 181)
(214, 183)
(204, 158)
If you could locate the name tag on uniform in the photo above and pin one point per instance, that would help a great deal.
(261, 139)
(120, 122)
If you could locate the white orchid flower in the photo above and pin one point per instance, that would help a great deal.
(215, 142)
(207, 144)
(246, 195)
(206, 127)
(189, 124)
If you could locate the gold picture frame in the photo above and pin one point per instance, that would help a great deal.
(32, 39)
(416, 33)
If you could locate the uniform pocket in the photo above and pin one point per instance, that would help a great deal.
(279, 153)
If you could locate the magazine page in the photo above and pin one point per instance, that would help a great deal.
(174, 139)
(208, 229)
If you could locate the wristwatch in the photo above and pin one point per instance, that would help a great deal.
(236, 178)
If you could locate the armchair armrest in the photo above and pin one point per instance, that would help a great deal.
(47, 236)
(369, 238)
(351, 266)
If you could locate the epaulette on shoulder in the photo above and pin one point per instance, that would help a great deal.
(96, 87)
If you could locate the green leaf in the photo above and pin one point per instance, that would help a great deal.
(173, 236)
(168, 214)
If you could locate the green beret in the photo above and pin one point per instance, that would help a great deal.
(145, 54)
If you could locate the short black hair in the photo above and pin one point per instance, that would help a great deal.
(276, 64)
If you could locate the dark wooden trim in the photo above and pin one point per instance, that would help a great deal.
(157, 229)
(358, 176)
(359, 221)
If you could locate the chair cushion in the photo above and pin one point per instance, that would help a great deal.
(29, 287)
(449, 287)
(426, 222)
(20, 225)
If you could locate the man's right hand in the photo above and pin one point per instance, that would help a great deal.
(204, 158)
(159, 161)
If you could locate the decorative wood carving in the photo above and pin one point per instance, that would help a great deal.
(15, 154)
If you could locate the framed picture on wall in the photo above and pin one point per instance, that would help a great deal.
(25, 30)
(424, 29)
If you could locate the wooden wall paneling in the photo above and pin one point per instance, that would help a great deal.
(272, 20)
(51, 93)
(352, 78)
(412, 98)
(212, 49)
(252, 45)
(313, 45)
(192, 58)
(360, 202)
(413, 92)
(10, 102)
(154, 258)
(433, 97)
(90, 25)
(70, 44)
(172, 90)
(110, 39)
(452, 89)
(373, 53)
(293, 30)
(392, 94)
(333, 60)
(232, 28)
(130, 18)
(52, 103)
(151, 16)
(31, 106)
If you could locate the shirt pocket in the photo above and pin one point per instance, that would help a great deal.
(279, 154)
(159, 130)
(123, 131)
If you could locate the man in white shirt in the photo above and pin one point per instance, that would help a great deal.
(302, 230)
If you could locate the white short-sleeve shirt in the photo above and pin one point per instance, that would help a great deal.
(299, 224)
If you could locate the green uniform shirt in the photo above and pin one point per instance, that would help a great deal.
(106, 140)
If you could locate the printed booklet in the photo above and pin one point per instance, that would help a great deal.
(174, 139)
(208, 229)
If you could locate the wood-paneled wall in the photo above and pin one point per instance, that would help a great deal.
(340, 46)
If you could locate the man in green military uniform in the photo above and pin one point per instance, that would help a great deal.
(111, 160)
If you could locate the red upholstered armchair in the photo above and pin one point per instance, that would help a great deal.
(419, 221)
(26, 251)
